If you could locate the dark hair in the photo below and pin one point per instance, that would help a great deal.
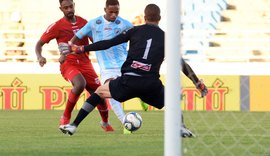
(60, 1)
(112, 2)
(152, 12)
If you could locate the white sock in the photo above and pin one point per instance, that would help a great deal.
(118, 109)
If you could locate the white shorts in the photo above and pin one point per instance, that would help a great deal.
(109, 73)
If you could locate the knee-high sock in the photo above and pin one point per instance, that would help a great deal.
(88, 106)
(103, 111)
(182, 117)
(72, 100)
(117, 109)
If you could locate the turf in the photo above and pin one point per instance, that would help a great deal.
(218, 133)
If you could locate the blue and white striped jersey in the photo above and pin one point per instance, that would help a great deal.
(101, 29)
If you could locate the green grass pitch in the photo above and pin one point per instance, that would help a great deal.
(218, 133)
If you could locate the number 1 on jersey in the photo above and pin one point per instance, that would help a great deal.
(148, 45)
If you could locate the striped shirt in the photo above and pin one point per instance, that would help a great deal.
(101, 29)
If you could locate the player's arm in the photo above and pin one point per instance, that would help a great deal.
(84, 31)
(74, 39)
(187, 70)
(101, 45)
(105, 44)
(38, 49)
(47, 36)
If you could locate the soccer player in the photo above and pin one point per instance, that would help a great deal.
(140, 71)
(110, 60)
(75, 68)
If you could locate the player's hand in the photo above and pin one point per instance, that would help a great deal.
(75, 48)
(62, 59)
(42, 60)
(202, 88)
(64, 48)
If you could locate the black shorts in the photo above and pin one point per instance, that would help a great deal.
(148, 89)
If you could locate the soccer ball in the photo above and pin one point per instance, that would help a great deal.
(132, 121)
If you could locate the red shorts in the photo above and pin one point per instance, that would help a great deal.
(70, 69)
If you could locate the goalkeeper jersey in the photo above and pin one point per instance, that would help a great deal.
(101, 29)
(146, 50)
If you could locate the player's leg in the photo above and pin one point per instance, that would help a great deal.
(185, 132)
(78, 83)
(119, 112)
(117, 109)
(154, 95)
(144, 105)
(107, 75)
(104, 113)
(92, 84)
(88, 106)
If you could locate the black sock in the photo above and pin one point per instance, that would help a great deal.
(88, 107)
(79, 118)
(183, 123)
(94, 99)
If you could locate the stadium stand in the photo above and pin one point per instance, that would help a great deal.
(244, 36)
(212, 30)
(18, 37)
(226, 30)
(199, 19)
(35, 20)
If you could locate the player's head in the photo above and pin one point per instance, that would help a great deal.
(152, 13)
(67, 7)
(111, 10)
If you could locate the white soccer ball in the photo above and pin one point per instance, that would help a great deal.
(132, 121)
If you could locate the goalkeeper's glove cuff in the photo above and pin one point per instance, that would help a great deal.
(202, 88)
(80, 49)
(75, 48)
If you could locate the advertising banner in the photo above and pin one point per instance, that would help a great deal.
(259, 93)
(50, 92)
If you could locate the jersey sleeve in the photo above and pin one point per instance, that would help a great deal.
(85, 31)
(105, 44)
(188, 71)
(50, 33)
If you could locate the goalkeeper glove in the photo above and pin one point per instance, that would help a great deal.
(64, 48)
(75, 48)
(202, 88)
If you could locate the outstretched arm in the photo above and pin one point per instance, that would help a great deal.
(100, 45)
(187, 70)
